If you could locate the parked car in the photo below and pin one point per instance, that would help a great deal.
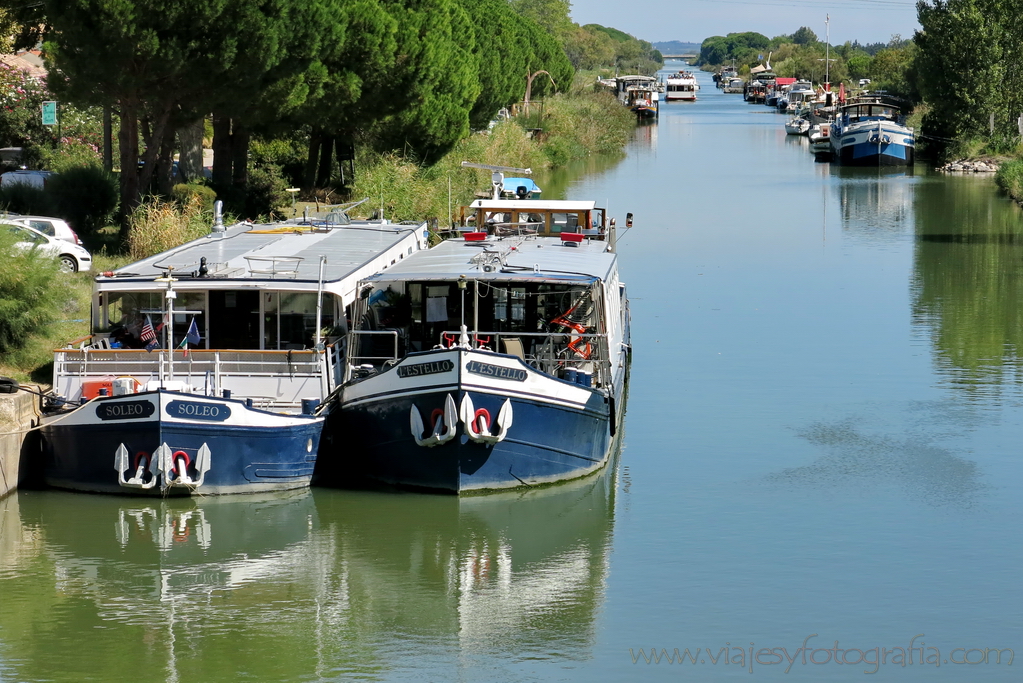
(25, 177)
(72, 257)
(54, 227)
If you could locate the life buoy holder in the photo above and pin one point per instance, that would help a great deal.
(481, 413)
(178, 455)
(139, 457)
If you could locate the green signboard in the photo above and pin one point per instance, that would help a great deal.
(49, 113)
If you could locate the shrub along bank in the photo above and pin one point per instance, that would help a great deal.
(562, 129)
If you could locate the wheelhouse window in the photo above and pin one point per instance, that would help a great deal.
(124, 315)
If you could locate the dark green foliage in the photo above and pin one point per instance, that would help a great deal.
(438, 71)
(804, 36)
(266, 192)
(969, 64)
(25, 199)
(204, 195)
(508, 47)
(85, 196)
(859, 65)
(28, 298)
(742, 47)
(287, 153)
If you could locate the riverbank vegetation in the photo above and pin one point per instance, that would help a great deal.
(377, 98)
(961, 73)
(324, 77)
(803, 55)
(567, 127)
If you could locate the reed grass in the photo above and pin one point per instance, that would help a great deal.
(156, 225)
(1009, 177)
(562, 129)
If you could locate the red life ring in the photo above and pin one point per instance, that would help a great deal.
(139, 456)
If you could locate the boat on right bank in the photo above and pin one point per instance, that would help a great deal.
(872, 131)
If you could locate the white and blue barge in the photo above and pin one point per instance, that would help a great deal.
(494, 360)
(872, 132)
(245, 330)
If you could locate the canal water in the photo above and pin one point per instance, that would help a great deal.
(820, 477)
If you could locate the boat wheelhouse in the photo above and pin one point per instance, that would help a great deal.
(490, 361)
(209, 364)
(872, 131)
(640, 94)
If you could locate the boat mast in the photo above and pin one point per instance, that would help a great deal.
(827, 52)
(168, 319)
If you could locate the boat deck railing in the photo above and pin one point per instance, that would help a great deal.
(549, 352)
(271, 378)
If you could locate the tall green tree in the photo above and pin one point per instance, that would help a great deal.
(552, 15)
(436, 74)
(359, 88)
(154, 60)
(960, 61)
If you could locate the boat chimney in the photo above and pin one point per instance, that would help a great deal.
(218, 229)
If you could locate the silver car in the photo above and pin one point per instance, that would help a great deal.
(72, 257)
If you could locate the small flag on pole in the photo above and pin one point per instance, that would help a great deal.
(191, 337)
(147, 333)
(193, 334)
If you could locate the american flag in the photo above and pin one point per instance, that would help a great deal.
(147, 333)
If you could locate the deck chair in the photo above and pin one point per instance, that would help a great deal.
(513, 347)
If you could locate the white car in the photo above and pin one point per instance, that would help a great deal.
(54, 227)
(72, 257)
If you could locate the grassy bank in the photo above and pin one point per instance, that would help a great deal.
(559, 130)
(33, 361)
(1010, 178)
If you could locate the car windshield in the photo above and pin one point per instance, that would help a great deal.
(23, 235)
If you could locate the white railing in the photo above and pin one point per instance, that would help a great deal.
(270, 378)
(549, 353)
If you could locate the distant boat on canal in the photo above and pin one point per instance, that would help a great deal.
(681, 86)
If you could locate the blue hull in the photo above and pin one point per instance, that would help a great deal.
(279, 454)
(873, 154)
(547, 444)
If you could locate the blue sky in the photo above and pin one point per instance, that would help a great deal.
(868, 21)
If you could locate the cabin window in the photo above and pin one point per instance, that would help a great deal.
(564, 222)
(495, 217)
(289, 319)
(437, 304)
(509, 304)
(415, 293)
(125, 315)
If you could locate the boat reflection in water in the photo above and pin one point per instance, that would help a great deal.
(324, 584)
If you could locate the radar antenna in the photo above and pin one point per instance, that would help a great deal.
(497, 177)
